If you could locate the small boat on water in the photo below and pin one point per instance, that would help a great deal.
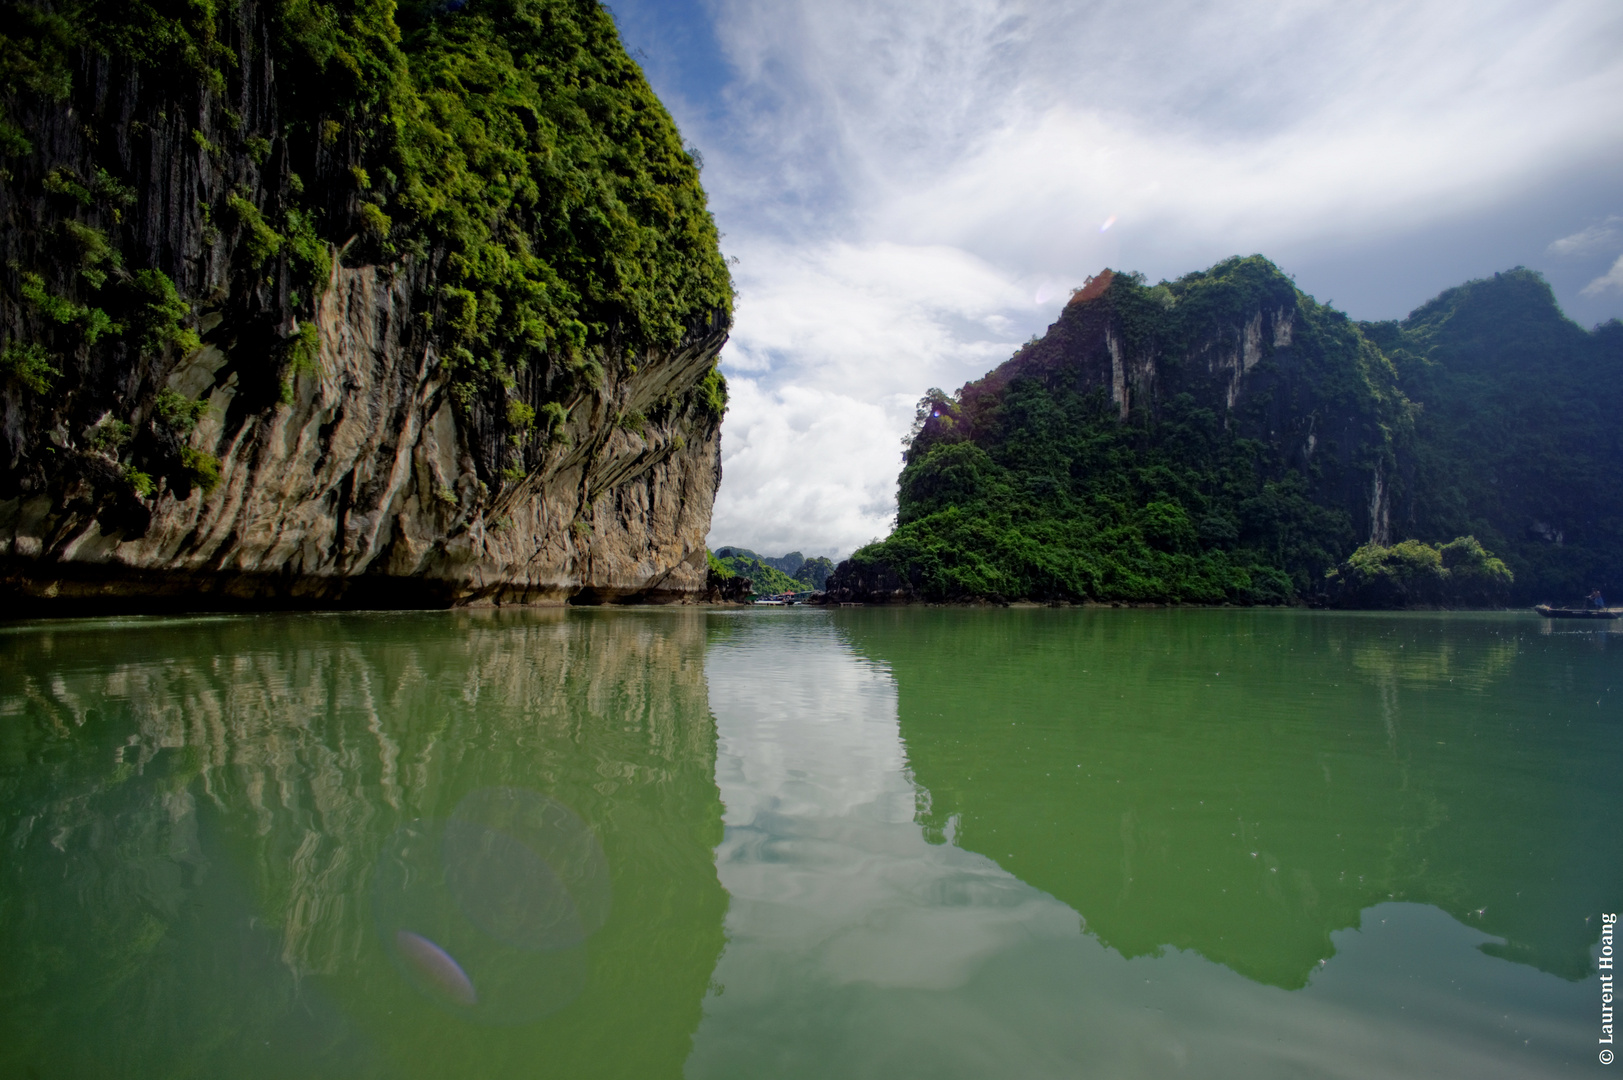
(788, 599)
(1576, 613)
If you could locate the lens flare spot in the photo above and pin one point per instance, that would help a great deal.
(436, 967)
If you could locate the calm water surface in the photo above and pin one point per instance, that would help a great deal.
(887, 843)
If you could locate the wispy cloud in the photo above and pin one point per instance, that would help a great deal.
(1224, 120)
(1596, 237)
(1600, 237)
(911, 188)
(1612, 279)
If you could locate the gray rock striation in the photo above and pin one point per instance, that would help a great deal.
(357, 473)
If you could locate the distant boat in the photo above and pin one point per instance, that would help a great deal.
(1575, 613)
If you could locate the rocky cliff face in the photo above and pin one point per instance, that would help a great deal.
(1220, 438)
(1247, 361)
(245, 365)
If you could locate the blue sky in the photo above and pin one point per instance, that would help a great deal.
(911, 189)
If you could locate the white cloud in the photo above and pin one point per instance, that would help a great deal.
(1593, 238)
(834, 344)
(1612, 279)
(804, 469)
(912, 187)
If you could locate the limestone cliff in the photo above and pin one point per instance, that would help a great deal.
(298, 318)
(1220, 438)
(1246, 361)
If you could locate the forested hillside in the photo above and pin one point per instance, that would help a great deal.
(1226, 438)
(1519, 435)
(785, 573)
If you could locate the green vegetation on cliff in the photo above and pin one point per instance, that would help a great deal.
(793, 572)
(717, 567)
(785, 573)
(518, 132)
(1519, 440)
(1270, 450)
(1460, 573)
(813, 573)
(765, 579)
(1034, 487)
(510, 149)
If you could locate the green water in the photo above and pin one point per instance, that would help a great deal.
(885, 843)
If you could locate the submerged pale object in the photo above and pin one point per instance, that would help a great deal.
(436, 966)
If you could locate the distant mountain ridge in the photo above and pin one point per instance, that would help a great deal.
(1226, 438)
(786, 573)
(1517, 436)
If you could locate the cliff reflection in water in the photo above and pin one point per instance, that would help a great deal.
(194, 813)
(1244, 783)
